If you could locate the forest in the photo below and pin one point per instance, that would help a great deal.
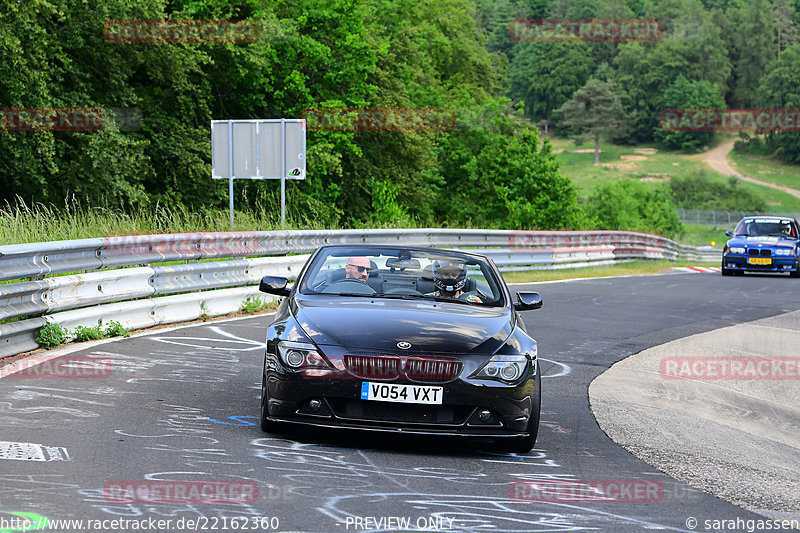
(487, 165)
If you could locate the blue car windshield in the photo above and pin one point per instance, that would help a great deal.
(403, 273)
(765, 227)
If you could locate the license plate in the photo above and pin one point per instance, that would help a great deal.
(395, 392)
(759, 260)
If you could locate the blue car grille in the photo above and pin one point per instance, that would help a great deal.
(764, 252)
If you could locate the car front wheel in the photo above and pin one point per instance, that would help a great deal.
(266, 424)
(525, 444)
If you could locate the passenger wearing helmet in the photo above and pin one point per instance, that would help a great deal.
(450, 280)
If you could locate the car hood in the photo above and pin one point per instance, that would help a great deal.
(379, 324)
(762, 240)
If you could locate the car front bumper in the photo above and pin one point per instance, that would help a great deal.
(290, 401)
(777, 263)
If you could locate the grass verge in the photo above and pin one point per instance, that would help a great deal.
(766, 168)
(616, 162)
(622, 269)
(647, 163)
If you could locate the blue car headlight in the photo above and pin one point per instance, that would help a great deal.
(736, 249)
(784, 251)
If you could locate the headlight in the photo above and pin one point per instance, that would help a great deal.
(736, 250)
(299, 355)
(784, 251)
(504, 367)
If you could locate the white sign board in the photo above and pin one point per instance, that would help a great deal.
(258, 149)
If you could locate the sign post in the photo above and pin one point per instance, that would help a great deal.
(258, 149)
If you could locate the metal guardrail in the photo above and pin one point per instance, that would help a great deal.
(146, 295)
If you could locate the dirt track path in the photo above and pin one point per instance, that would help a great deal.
(717, 159)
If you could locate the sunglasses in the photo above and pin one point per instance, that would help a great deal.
(360, 268)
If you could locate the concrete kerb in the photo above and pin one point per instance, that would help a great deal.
(738, 439)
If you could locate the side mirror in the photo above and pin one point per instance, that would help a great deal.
(274, 285)
(528, 301)
(728, 233)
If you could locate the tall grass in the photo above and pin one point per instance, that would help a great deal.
(21, 223)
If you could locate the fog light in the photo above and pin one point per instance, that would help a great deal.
(484, 415)
(315, 404)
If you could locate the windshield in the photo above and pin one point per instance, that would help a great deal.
(403, 273)
(753, 227)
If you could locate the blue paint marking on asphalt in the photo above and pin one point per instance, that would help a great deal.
(237, 419)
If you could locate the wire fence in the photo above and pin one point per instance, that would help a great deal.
(726, 219)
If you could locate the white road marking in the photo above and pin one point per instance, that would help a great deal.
(28, 451)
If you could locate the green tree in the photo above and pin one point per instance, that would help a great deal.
(780, 88)
(544, 75)
(635, 206)
(54, 56)
(694, 46)
(595, 109)
(699, 191)
(494, 173)
(433, 56)
(786, 33)
(754, 47)
(685, 94)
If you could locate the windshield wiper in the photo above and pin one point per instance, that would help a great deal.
(451, 300)
(402, 296)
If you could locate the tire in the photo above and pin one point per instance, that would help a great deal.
(525, 444)
(726, 272)
(796, 273)
(266, 424)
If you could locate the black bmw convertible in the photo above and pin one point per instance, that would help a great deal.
(397, 339)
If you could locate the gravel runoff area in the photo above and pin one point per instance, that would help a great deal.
(738, 439)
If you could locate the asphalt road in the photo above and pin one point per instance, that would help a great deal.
(179, 409)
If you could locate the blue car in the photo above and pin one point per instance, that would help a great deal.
(763, 244)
